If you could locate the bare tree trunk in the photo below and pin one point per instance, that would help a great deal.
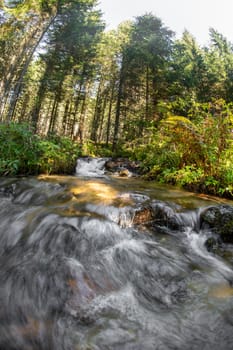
(100, 135)
(53, 116)
(24, 108)
(80, 133)
(96, 117)
(14, 62)
(65, 116)
(118, 107)
(36, 109)
(109, 116)
(76, 108)
(147, 93)
(18, 86)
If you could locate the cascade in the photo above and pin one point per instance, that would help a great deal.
(91, 167)
(98, 262)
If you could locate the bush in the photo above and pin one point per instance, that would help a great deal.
(57, 155)
(182, 177)
(94, 149)
(18, 150)
(24, 153)
(155, 156)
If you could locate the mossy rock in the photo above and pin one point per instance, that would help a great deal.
(219, 219)
(158, 214)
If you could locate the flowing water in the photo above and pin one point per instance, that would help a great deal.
(77, 273)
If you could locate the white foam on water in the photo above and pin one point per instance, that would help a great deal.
(197, 244)
(122, 216)
(126, 305)
(91, 167)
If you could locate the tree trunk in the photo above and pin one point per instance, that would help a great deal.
(96, 118)
(15, 61)
(147, 93)
(65, 117)
(53, 116)
(118, 107)
(24, 108)
(109, 117)
(18, 85)
(80, 134)
(76, 108)
(101, 122)
(36, 109)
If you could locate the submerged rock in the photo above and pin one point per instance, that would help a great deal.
(219, 219)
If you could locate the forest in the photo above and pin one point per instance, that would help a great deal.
(68, 87)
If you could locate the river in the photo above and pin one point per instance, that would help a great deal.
(77, 272)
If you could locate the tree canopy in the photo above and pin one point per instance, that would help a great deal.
(169, 101)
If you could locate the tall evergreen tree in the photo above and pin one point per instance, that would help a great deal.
(25, 26)
(143, 71)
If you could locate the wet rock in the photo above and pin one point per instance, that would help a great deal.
(123, 167)
(6, 192)
(139, 198)
(143, 215)
(124, 173)
(212, 244)
(219, 219)
(158, 214)
(165, 215)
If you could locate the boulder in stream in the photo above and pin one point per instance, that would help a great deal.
(158, 214)
(123, 167)
(219, 219)
(143, 215)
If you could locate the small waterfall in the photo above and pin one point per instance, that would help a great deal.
(98, 264)
(91, 167)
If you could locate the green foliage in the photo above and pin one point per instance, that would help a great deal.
(57, 155)
(194, 152)
(22, 152)
(184, 176)
(18, 149)
(94, 149)
(97, 149)
(155, 155)
(166, 103)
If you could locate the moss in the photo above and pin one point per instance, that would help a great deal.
(220, 220)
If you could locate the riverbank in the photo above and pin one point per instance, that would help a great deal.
(23, 153)
(187, 178)
(155, 162)
(193, 180)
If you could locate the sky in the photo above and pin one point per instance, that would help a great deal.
(197, 16)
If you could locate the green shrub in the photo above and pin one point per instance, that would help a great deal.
(22, 152)
(94, 149)
(188, 175)
(18, 149)
(57, 155)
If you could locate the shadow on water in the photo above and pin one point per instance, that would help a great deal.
(80, 271)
